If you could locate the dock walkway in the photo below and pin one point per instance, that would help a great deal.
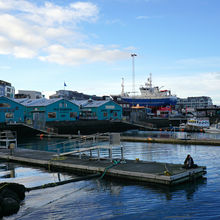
(140, 171)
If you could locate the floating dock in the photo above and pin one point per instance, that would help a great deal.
(133, 170)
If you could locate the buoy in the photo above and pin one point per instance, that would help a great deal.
(41, 136)
(149, 139)
(137, 159)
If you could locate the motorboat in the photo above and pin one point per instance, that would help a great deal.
(214, 129)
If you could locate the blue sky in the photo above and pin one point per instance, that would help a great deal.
(88, 44)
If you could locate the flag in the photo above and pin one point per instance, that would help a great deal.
(64, 84)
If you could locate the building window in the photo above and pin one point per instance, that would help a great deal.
(4, 105)
(115, 114)
(52, 115)
(9, 115)
(73, 114)
(105, 114)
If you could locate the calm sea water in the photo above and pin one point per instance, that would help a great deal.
(104, 199)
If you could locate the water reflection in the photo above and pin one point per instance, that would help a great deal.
(30, 177)
(116, 188)
(171, 134)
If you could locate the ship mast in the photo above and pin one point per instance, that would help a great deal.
(122, 87)
(150, 80)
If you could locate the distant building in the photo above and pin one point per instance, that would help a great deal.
(29, 94)
(194, 102)
(6, 89)
(70, 95)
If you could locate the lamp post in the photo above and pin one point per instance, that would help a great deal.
(133, 55)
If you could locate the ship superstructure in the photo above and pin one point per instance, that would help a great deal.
(151, 96)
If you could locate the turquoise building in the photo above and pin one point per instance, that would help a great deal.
(50, 110)
(11, 111)
(99, 110)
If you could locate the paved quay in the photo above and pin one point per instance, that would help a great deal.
(211, 142)
(134, 170)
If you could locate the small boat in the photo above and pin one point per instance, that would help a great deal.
(214, 129)
(199, 123)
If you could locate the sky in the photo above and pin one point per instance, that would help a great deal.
(88, 45)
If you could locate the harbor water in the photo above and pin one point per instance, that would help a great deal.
(107, 199)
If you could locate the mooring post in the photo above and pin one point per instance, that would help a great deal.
(98, 153)
(110, 154)
(122, 152)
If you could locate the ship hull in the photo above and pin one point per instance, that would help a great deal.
(147, 102)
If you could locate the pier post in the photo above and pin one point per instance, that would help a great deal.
(122, 152)
(98, 153)
(110, 154)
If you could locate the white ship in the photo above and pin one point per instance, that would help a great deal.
(150, 96)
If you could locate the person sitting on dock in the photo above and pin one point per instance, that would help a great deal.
(189, 163)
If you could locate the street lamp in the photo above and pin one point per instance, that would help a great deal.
(133, 73)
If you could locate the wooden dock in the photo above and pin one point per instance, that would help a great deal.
(134, 170)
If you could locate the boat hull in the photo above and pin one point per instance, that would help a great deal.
(147, 102)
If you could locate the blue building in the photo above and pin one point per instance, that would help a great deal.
(99, 110)
(11, 111)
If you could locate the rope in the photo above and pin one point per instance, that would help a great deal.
(115, 162)
(3, 186)
(63, 182)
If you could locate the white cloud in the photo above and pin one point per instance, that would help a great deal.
(50, 32)
(142, 17)
(203, 84)
(74, 56)
(200, 62)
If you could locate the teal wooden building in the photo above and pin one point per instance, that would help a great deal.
(11, 111)
(99, 110)
(50, 110)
